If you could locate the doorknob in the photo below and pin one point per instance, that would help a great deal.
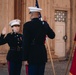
(65, 38)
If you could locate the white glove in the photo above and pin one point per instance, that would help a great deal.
(4, 31)
(25, 62)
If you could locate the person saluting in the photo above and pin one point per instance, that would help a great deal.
(14, 40)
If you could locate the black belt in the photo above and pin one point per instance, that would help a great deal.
(16, 48)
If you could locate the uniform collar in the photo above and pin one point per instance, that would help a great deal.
(35, 19)
(15, 33)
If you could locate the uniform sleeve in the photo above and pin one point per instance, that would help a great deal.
(25, 43)
(75, 38)
(3, 39)
(50, 33)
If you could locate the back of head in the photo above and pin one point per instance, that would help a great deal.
(34, 11)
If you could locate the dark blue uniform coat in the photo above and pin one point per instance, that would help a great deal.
(34, 33)
(14, 41)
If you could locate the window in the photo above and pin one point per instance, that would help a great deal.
(60, 16)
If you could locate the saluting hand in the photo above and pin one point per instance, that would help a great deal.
(25, 62)
(4, 31)
(45, 18)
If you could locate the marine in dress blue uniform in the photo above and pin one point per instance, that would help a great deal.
(34, 51)
(14, 40)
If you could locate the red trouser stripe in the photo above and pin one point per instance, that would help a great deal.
(26, 69)
(8, 67)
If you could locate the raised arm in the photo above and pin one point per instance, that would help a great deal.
(50, 33)
(2, 37)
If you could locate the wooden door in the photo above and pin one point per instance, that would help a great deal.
(60, 26)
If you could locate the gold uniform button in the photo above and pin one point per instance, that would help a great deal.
(17, 35)
(18, 39)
